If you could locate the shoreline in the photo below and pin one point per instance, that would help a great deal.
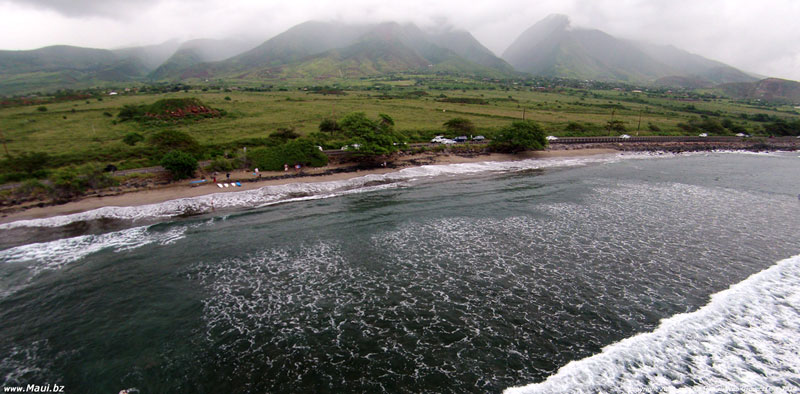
(159, 193)
(184, 189)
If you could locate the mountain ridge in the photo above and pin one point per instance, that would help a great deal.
(553, 47)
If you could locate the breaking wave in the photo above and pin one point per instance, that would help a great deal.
(746, 339)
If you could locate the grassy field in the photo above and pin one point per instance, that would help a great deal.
(88, 130)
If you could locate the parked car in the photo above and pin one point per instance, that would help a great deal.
(447, 141)
(460, 139)
(551, 138)
(625, 136)
(703, 135)
(478, 138)
(349, 147)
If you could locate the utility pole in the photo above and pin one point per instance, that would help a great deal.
(611, 122)
(640, 122)
(4, 143)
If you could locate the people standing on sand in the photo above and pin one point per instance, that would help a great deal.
(228, 175)
(215, 177)
(285, 167)
(258, 174)
(297, 167)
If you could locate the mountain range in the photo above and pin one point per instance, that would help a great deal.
(553, 48)
(323, 50)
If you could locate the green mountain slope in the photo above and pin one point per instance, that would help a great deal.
(355, 51)
(196, 52)
(553, 48)
(300, 41)
(57, 67)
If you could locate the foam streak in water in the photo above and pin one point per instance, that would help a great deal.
(746, 339)
(56, 253)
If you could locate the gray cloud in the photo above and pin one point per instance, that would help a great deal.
(759, 37)
(86, 8)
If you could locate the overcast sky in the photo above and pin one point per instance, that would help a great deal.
(756, 36)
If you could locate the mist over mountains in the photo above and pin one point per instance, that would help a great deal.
(318, 50)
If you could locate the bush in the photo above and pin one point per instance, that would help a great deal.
(29, 162)
(181, 165)
(42, 109)
(284, 134)
(328, 126)
(300, 151)
(169, 140)
(220, 164)
(132, 138)
(72, 181)
(519, 136)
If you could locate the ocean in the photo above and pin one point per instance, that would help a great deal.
(623, 273)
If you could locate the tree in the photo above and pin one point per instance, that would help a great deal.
(520, 136)
(180, 164)
(460, 126)
(356, 123)
(300, 151)
(615, 125)
(371, 138)
(284, 134)
(328, 126)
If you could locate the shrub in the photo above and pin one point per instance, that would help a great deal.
(220, 164)
(72, 181)
(328, 126)
(169, 140)
(181, 165)
(300, 151)
(284, 134)
(132, 138)
(42, 108)
(519, 136)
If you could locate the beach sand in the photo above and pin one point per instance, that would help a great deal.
(184, 189)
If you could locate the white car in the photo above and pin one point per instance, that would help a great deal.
(625, 136)
(348, 147)
(447, 141)
(438, 138)
(703, 135)
(478, 138)
(551, 138)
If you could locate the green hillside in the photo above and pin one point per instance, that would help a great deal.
(553, 48)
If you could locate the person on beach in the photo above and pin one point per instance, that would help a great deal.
(285, 167)
(258, 174)
(228, 175)
(215, 177)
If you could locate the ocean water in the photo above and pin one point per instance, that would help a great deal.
(606, 274)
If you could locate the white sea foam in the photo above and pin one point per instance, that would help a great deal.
(746, 339)
(302, 191)
(54, 254)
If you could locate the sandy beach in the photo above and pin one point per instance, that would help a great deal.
(185, 189)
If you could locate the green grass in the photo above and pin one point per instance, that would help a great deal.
(77, 131)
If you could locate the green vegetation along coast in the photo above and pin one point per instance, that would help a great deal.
(60, 145)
